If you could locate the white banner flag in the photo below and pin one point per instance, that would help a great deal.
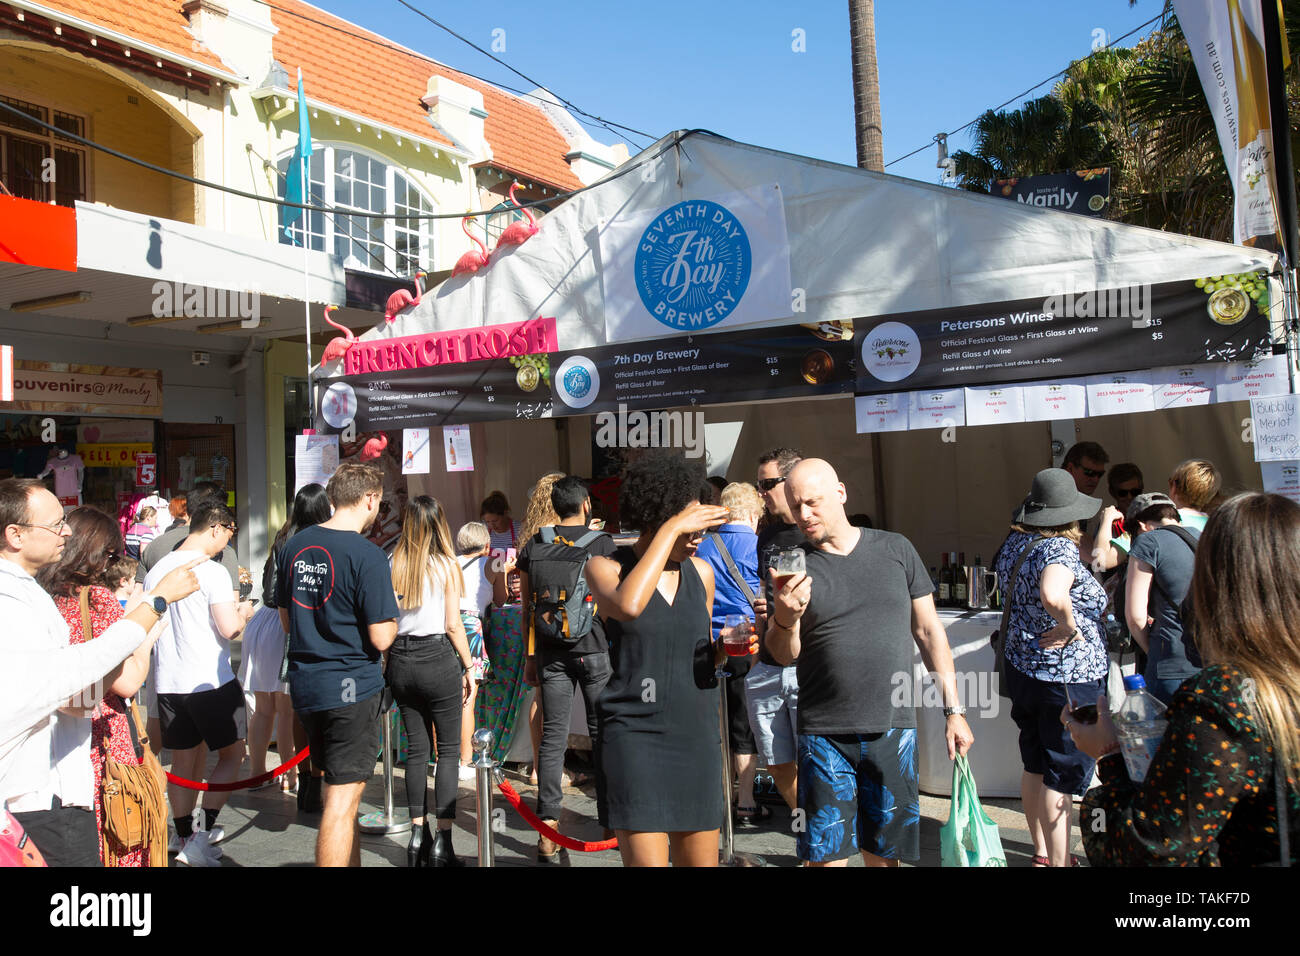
(1226, 38)
(696, 266)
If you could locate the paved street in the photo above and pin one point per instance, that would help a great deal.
(265, 829)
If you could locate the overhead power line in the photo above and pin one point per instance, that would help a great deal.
(1020, 96)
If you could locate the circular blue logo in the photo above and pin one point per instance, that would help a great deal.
(577, 382)
(693, 265)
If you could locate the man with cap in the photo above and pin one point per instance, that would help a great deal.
(1053, 645)
(1159, 573)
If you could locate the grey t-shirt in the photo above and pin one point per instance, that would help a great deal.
(856, 634)
(1173, 562)
(169, 541)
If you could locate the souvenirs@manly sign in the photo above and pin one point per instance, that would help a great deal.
(1215, 319)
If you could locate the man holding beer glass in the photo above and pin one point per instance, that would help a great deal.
(851, 634)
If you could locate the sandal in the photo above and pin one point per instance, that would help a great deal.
(1041, 861)
(751, 816)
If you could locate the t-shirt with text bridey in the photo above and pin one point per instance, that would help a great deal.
(191, 655)
(334, 584)
(856, 635)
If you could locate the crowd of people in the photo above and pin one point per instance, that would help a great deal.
(831, 610)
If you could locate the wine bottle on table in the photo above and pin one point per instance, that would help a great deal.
(959, 585)
(945, 583)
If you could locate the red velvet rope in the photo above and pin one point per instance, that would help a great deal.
(546, 830)
(241, 784)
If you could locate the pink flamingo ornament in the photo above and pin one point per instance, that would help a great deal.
(373, 448)
(401, 299)
(338, 347)
(471, 261)
(517, 233)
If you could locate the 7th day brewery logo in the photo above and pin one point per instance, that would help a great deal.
(693, 265)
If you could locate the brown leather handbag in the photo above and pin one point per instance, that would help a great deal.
(133, 796)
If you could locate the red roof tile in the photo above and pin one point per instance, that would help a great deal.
(364, 73)
(157, 22)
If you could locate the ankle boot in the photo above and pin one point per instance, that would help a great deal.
(417, 851)
(442, 852)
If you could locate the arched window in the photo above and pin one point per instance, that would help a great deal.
(357, 180)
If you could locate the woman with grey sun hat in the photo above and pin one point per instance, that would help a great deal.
(1053, 642)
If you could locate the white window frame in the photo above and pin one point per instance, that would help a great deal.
(385, 229)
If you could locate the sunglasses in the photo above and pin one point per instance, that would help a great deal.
(1090, 473)
(232, 528)
(1126, 492)
(767, 484)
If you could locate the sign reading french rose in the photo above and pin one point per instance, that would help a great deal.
(509, 340)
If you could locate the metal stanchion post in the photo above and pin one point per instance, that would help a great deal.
(386, 820)
(485, 769)
(728, 856)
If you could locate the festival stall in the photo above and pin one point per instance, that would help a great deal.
(932, 343)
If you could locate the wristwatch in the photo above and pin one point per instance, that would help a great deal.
(159, 605)
(958, 711)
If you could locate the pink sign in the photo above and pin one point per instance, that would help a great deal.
(444, 348)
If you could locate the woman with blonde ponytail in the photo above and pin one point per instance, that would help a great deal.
(1222, 787)
(429, 672)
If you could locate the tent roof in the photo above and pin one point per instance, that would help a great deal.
(861, 244)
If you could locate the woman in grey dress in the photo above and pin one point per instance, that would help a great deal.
(659, 765)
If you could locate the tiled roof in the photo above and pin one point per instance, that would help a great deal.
(355, 70)
(371, 76)
(157, 22)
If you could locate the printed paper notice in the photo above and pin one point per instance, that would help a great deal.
(456, 446)
(1120, 394)
(1282, 478)
(415, 451)
(1052, 401)
(315, 458)
(1242, 381)
(995, 406)
(1183, 387)
(881, 413)
(941, 408)
(1277, 427)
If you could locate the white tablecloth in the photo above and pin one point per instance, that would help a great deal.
(995, 757)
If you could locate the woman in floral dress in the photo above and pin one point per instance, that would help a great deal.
(96, 541)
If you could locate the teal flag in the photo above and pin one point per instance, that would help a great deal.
(296, 184)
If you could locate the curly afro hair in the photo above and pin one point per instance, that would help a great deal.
(656, 488)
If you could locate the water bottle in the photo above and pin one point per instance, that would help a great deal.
(1140, 723)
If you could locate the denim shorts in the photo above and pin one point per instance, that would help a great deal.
(772, 698)
(1045, 744)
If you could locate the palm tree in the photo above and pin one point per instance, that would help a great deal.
(1043, 136)
(866, 85)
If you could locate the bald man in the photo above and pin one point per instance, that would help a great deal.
(849, 622)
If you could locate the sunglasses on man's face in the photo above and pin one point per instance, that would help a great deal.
(1090, 473)
(767, 484)
(1127, 492)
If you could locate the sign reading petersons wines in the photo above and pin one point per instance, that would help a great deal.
(1214, 319)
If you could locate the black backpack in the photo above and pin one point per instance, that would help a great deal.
(563, 608)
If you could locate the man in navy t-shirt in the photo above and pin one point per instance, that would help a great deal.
(336, 600)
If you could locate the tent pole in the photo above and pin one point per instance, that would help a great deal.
(878, 480)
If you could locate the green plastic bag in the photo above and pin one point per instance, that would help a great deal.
(970, 837)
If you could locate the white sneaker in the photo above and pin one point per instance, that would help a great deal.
(467, 773)
(216, 835)
(197, 852)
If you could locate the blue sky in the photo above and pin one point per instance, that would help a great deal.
(731, 66)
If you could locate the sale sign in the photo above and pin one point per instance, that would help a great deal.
(146, 470)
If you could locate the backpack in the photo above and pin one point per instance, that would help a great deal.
(1183, 610)
(563, 608)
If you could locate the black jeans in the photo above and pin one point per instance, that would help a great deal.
(426, 678)
(558, 678)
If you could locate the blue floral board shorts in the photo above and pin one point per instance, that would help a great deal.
(859, 792)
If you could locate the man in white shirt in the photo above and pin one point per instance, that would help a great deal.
(199, 698)
(46, 778)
